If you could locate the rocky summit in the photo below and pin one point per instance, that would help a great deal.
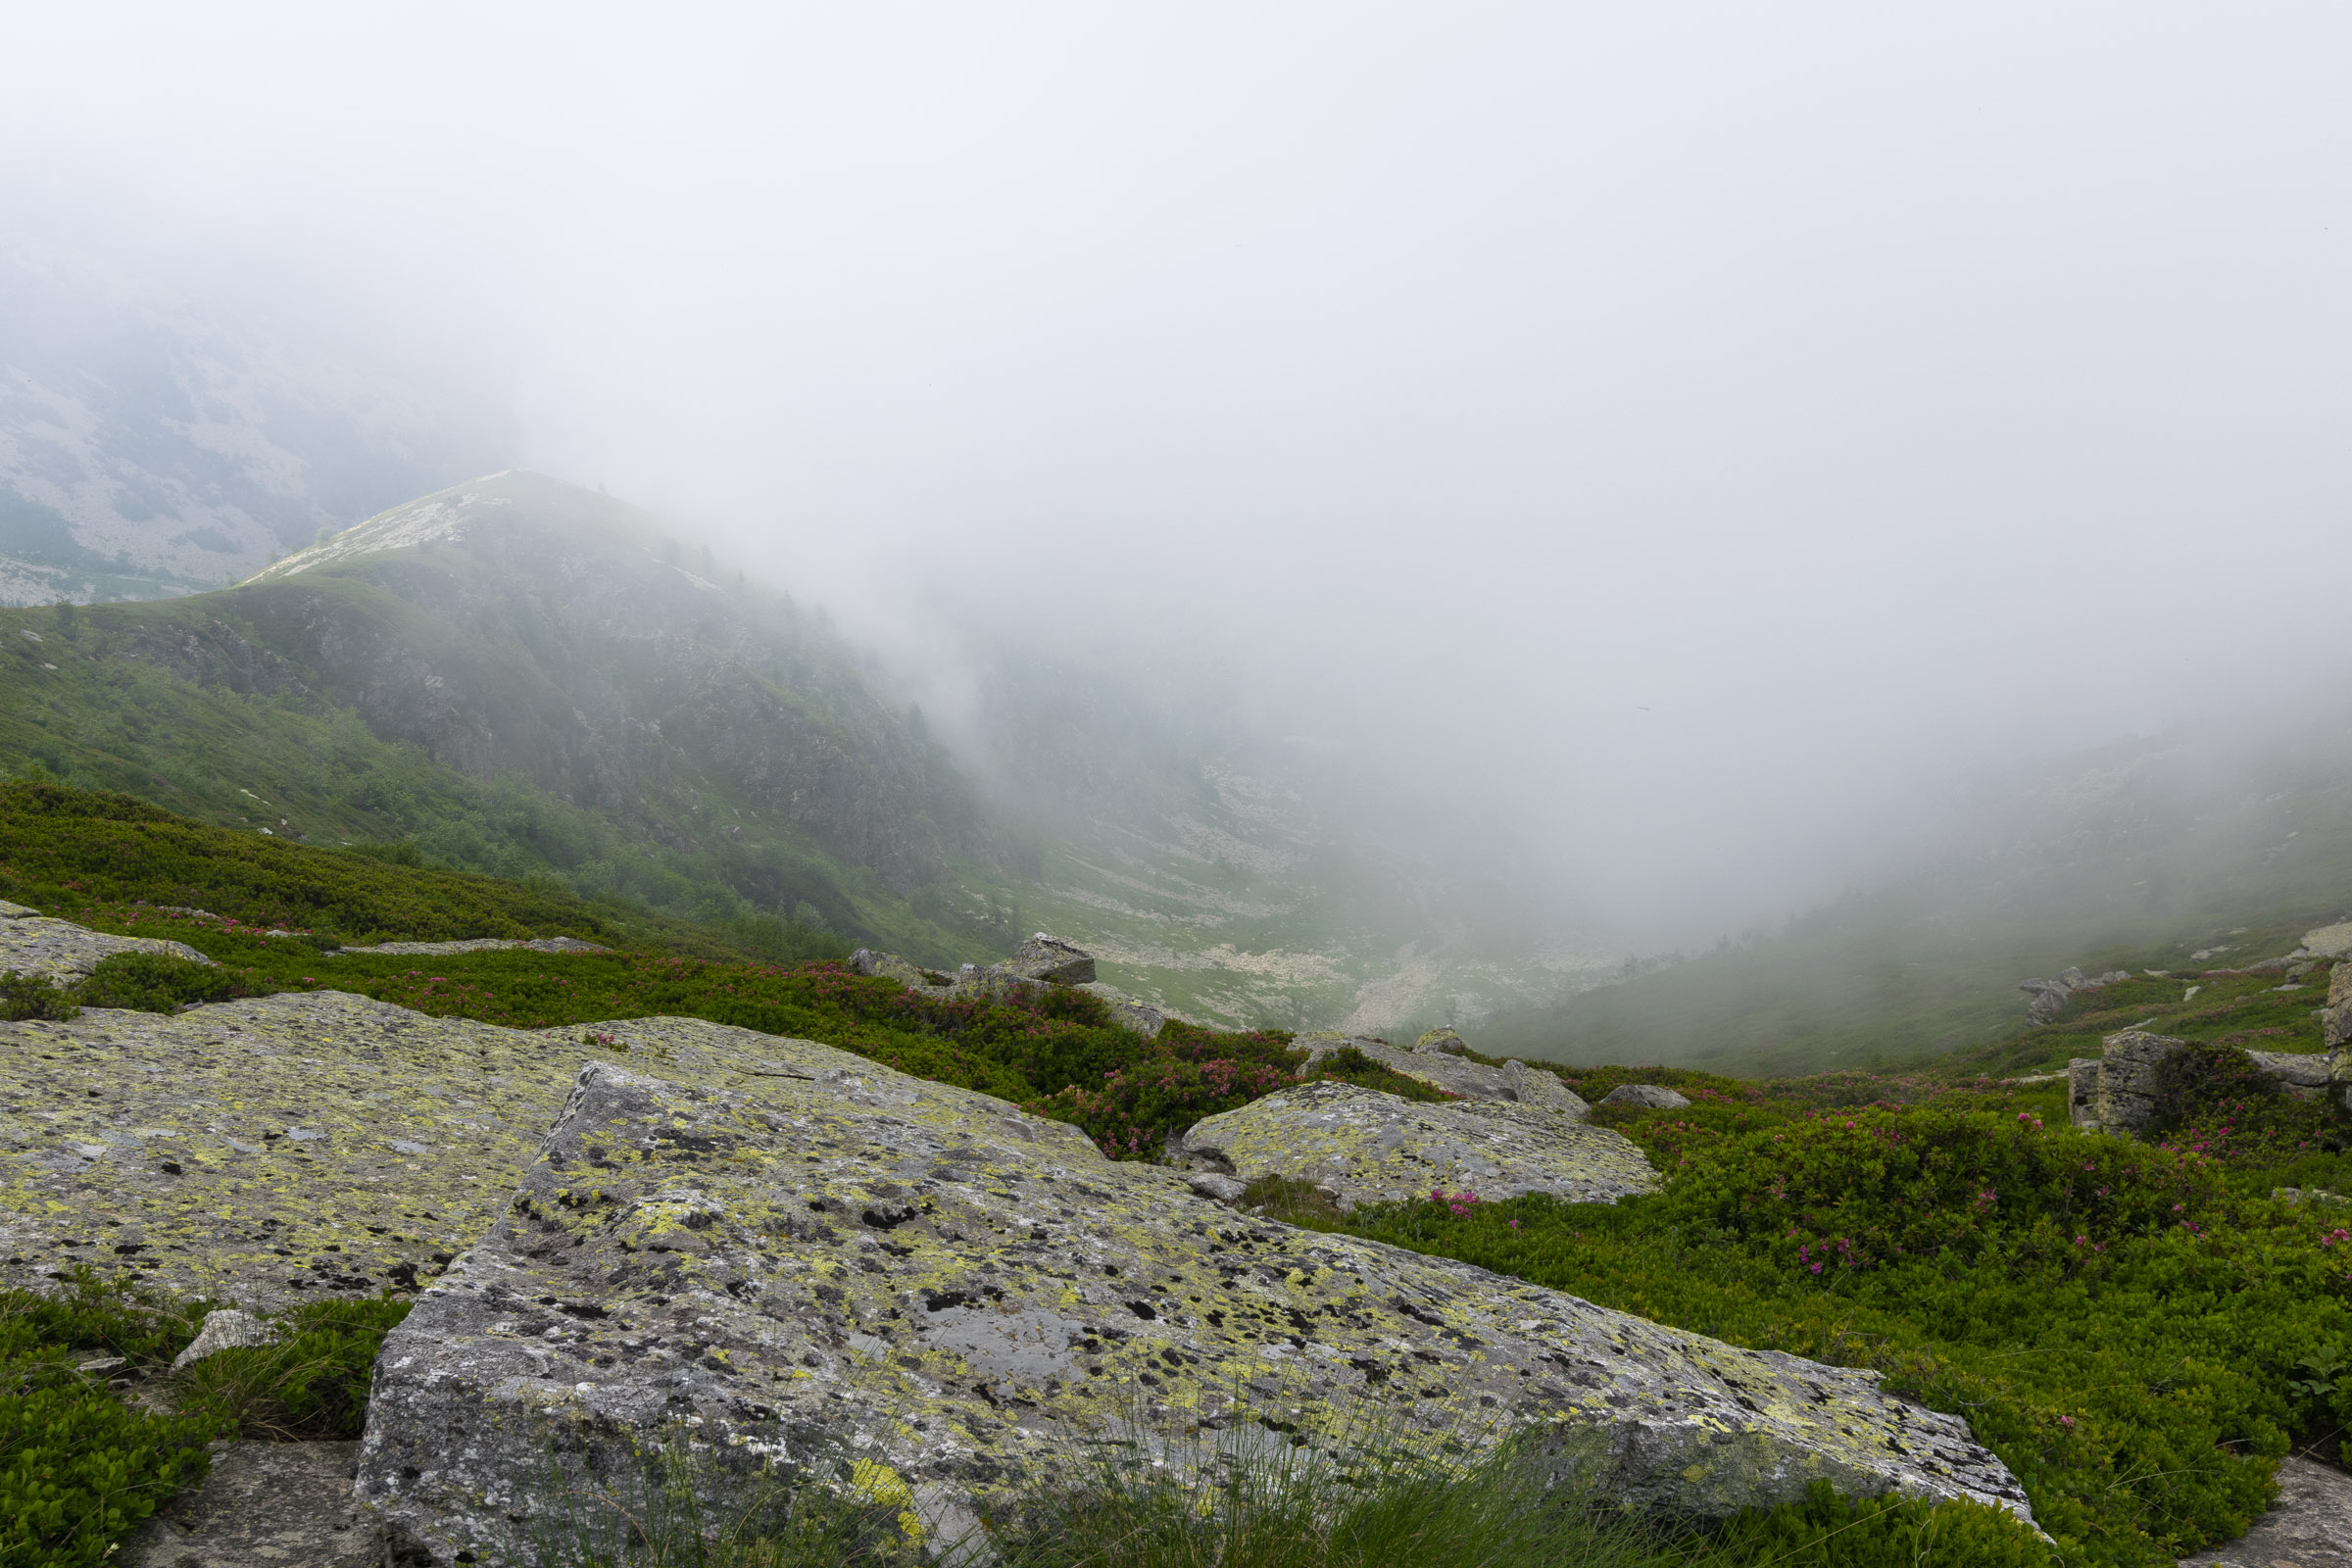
(1366, 1147)
(864, 1275)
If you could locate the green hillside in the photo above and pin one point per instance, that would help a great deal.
(2234, 838)
(518, 678)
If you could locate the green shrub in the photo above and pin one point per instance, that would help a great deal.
(79, 1467)
(2138, 1365)
(310, 1382)
(160, 982)
(34, 995)
(2213, 1101)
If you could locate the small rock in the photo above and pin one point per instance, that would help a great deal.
(1651, 1096)
(226, 1329)
(105, 1363)
(1049, 959)
(1447, 1040)
(1370, 1148)
(1224, 1189)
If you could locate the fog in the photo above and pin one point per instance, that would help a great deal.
(1686, 445)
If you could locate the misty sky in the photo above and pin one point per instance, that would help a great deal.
(1703, 435)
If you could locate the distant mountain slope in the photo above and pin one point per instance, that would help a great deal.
(153, 443)
(2220, 838)
(522, 676)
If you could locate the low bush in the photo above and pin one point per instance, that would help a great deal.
(310, 1381)
(34, 995)
(2128, 1328)
(161, 982)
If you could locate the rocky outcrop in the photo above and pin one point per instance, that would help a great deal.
(2116, 1091)
(860, 1280)
(2048, 997)
(1129, 1012)
(1367, 1147)
(2329, 941)
(1645, 1097)
(1515, 1081)
(1446, 1040)
(1051, 960)
(30, 943)
(481, 945)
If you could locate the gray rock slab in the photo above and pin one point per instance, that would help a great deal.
(1515, 1082)
(1650, 1096)
(800, 1279)
(272, 1150)
(2329, 941)
(1143, 1017)
(1370, 1148)
(35, 943)
(437, 949)
(2310, 1526)
(264, 1505)
(1049, 959)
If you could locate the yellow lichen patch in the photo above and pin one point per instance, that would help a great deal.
(273, 1149)
(1372, 1147)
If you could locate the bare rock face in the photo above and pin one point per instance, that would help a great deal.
(1474, 1081)
(2309, 1527)
(1650, 1096)
(1370, 1146)
(806, 1273)
(30, 943)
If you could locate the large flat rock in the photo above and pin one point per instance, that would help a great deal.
(269, 1151)
(31, 943)
(802, 1272)
(1516, 1083)
(1370, 1146)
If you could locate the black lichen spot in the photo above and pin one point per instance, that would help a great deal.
(1142, 1309)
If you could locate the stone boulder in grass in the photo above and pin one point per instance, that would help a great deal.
(871, 1281)
(1515, 1081)
(31, 943)
(1367, 1147)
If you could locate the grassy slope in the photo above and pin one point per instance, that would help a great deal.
(92, 704)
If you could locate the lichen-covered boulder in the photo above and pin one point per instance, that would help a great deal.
(2126, 1099)
(275, 1150)
(2329, 941)
(1474, 1081)
(2083, 1093)
(804, 1278)
(1049, 959)
(1370, 1146)
(1645, 1097)
(31, 943)
(1445, 1039)
(869, 961)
